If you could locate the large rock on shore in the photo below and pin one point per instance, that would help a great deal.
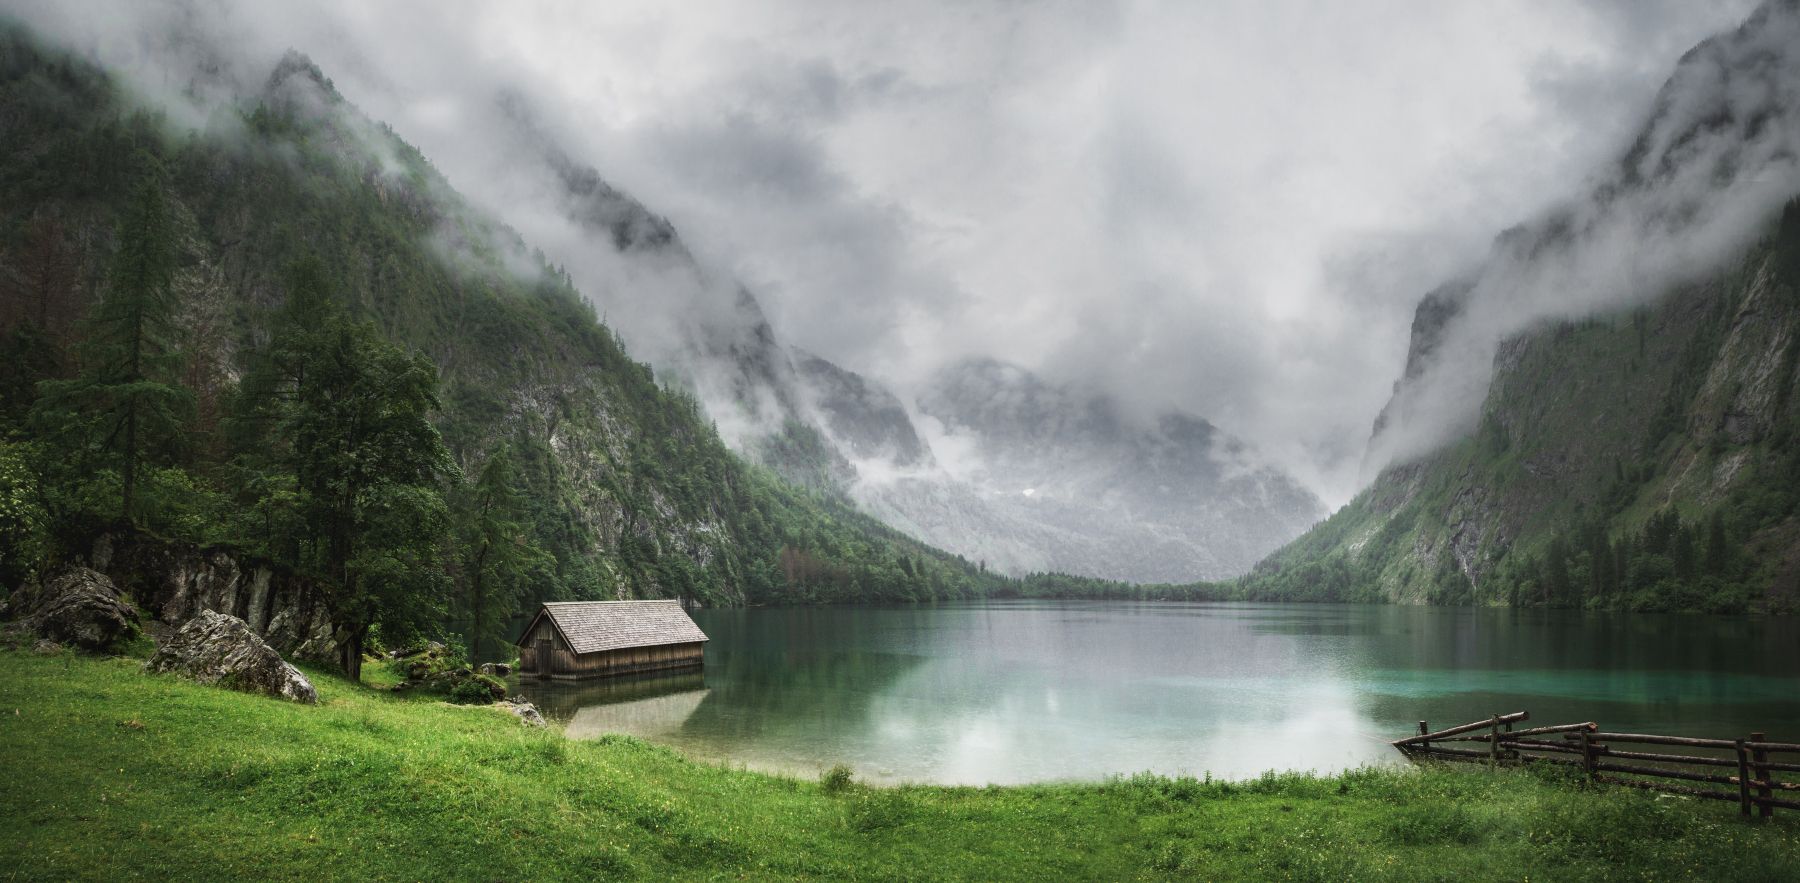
(526, 712)
(78, 607)
(217, 648)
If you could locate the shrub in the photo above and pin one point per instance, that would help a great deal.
(24, 526)
(471, 691)
(836, 780)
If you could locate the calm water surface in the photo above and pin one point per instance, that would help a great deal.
(1010, 692)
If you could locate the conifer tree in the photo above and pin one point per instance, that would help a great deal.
(499, 557)
(124, 403)
(335, 424)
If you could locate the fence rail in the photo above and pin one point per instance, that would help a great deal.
(1745, 768)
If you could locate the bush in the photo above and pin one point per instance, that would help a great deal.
(472, 691)
(836, 780)
(24, 526)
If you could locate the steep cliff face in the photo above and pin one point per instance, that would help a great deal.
(695, 324)
(175, 582)
(863, 418)
(1710, 168)
(1645, 459)
(1600, 414)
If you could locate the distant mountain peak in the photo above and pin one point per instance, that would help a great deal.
(297, 65)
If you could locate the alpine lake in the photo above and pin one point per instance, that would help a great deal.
(1010, 692)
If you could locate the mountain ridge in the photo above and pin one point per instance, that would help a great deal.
(1629, 443)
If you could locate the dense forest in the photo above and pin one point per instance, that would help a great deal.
(280, 331)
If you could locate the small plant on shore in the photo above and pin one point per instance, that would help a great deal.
(476, 690)
(836, 780)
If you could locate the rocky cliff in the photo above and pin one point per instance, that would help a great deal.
(174, 582)
(1603, 413)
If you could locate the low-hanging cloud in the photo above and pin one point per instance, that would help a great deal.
(1716, 160)
(1228, 208)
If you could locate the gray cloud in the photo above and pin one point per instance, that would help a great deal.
(1225, 207)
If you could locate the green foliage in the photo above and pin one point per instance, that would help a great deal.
(499, 559)
(348, 454)
(125, 407)
(364, 291)
(474, 690)
(1643, 462)
(836, 780)
(24, 524)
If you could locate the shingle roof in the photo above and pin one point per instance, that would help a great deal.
(594, 626)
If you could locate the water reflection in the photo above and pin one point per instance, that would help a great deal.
(1034, 691)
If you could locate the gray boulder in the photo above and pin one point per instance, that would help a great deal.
(527, 713)
(78, 607)
(215, 648)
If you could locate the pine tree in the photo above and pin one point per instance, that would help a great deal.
(1718, 548)
(1558, 588)
(499, 558)
(337, 421)
(125, 402)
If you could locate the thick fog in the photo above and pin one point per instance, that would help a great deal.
(1228, 207)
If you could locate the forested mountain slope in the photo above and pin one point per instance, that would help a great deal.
(620, 482)
(1648, 460)
(1616, 382)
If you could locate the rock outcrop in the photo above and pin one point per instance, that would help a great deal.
(78, 607)
(178, 581)
(216, 648)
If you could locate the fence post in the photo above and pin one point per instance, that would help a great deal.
(1423, 729)
(1764, 775)
(1494, 742)
(1743, 780)
(1587, 754)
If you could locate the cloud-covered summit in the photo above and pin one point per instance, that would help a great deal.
(1715, 159)
(1227, 209)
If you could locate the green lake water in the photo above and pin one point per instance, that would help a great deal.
(1029, 691)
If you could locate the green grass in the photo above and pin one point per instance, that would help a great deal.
(108, 773)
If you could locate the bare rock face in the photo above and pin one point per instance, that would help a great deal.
(217, 648)
(78, 607)
(176, 581)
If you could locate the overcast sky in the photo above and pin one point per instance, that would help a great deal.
(1227, 207)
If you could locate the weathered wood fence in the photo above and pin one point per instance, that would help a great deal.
(1737, 769)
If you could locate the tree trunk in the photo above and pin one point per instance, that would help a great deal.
(350, 655)
(130, 471)
(476, 605)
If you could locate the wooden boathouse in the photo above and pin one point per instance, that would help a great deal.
(592, 639)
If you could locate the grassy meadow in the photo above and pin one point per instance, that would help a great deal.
(109, 773)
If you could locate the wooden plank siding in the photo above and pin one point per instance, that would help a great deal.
(560, 662)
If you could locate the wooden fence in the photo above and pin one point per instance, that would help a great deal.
(1736, 769)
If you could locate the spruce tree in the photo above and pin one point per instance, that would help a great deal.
(336, 429)
(125, 403)
(499, 558)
